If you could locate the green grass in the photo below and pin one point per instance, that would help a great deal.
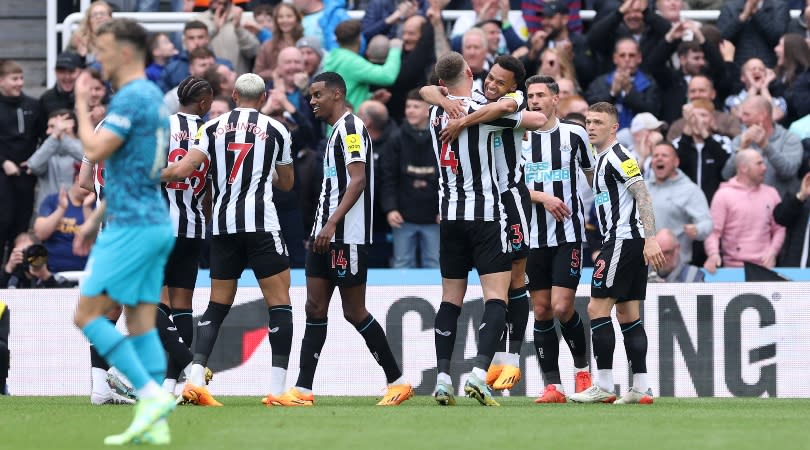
(354, 422)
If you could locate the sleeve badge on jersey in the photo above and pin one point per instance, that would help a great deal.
(199, 134)
(352, 142)
(630, 168)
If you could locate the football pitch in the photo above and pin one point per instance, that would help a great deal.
(354, 422)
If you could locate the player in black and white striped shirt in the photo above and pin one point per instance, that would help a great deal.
(554, 156)
(473, 229)
(626, 219)
(500, 87)
(185, 201)
(245, 148)
(338, 245)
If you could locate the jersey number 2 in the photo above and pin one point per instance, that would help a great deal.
(448, 158)
(242, 151)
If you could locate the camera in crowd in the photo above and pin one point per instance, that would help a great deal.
(34, 256)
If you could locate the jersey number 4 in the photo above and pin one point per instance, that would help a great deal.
(196, 180)
(242, 151)
(448, 158)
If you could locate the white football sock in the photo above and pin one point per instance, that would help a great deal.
(169, 384)
(640, 382)
(150, 390)
(400, 380)
(278, 379)
(511, 359)
(604, 379)
(480, 373)
(99, 384)
(197, 377)
(444, 378)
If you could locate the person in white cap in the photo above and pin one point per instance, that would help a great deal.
(644, 132)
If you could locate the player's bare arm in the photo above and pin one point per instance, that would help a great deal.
(552, 204)
(86, 176)
(97, 146)
(83, 241)
(285, 177)
(357, 172)
(652, 252)
(182, 169)
(487, 113)
(455, 108)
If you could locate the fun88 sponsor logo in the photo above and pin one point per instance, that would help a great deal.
(541, 172)
(601, 198)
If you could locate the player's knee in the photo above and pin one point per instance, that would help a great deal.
(316, 310)
(355, 315)
(563, 310)
(597, 309)
(542, 311)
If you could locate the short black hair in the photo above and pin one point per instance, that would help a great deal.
(192, 89)
(200, 53)
(195, 25)
(332, 80)
(689, 46)
(550, 82)
(127, 31)
(513, 65)
(413, 94)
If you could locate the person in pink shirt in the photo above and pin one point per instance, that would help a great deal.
(742, 213)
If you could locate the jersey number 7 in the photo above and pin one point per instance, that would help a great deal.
(242, 151)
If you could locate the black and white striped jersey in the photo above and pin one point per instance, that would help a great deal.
(552, 160)
(348, 143)
(185, 197)
(616, 208)
(243, 147)
(468, 183)
(507, 145)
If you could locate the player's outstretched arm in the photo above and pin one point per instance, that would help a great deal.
(357, 172)
(485, 114)
(532, 120)
(652, 251)
(437, 96)
(182, 169)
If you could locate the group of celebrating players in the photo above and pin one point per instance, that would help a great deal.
(509, 205)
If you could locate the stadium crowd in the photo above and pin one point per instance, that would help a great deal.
(693, 98)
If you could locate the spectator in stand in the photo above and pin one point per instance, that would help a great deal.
(380, 129)
(195, 35)
(262, 24)
(287, 31)
(781, 149)
(21, 125)
(634, 19)
(756, 79)
(670, 10)
(474, 51)
(199, 60)
(744, 228)
(675, 270)
(83, 41)
(678, 203)
(219, 106)
(644, 133)
(568, 88)
(29, 269)
(535, 14)
(417, 59)
(556, 34)
(483, 10)
(377, 49)
(161, 52)
(754, 27)
(556, 64)
(410, 186)
(60, 96)
(793, 76)
(794, 214)
(321, 18)
(228, 38)
(571, 104)
(359, 73)
(696, 56)
(387, 17)
(630, 89)
(60, 216)
(799, 25)
(291, 79)
(53, 161)
(312, 54)
(724, 124)
(702, 153)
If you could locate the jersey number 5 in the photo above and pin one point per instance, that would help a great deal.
(242, 151)
(196, 180)
(448, 158)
